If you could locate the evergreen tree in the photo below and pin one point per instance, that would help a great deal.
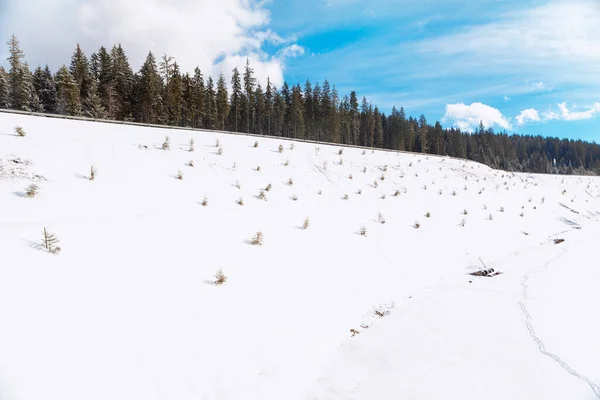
(106, 84)
(268, 106)
(249, 84)
(174, 97)
(80, 70)
(297, 113)
(354, 118)
(93, 103)
(199, 94)
(3, 88)
(122, 78)
(222, 105)
(423, 133)
(166, 68)
(19, 83)
(378, 122)
(67, 93)
(211, 120)
(235, 102)
(259, 110)
(44, 86)
(150, 92)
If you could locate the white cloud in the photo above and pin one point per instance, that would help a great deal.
(213, 34)
(553, 41)
(568, 115)
(292, 51)
(468, 117)
(506, 98)
(563, 114)
(529, 115)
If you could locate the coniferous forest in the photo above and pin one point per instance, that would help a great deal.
(104, 86)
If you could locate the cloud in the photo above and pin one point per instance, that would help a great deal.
(568, 115)
(528, 115)
(212, 34)
(292, 51)
(468, 117)
(563, 114)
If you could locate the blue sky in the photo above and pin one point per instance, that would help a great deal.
(526, 66)
(510, 56)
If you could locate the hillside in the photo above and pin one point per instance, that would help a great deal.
(129, 310)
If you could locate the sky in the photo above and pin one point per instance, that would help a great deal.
(524, 66)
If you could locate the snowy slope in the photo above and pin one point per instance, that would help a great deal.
(128, 310)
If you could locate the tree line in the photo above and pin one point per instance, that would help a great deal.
(106, 87)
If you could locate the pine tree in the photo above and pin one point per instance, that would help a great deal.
(423, 133)
(19, 84)
(199, 94)
(211, 115)
(174, 97)
(44, 86)
(122, 78)
(80, 70)
(93, 104)
(249, 84)
(268, 106)
(297, 113)
(235, 101)
(378, 120)
(259, 110)
(166, 68)
(106, 84)
(354, 118)
(150, 95)
(3, 88)
(222, 104)
(67, 93)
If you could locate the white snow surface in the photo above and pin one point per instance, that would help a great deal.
(127, 309)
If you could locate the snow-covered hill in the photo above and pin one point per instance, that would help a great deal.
(129, 310)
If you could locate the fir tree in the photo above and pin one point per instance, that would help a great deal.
(122, 79)
(211, 111)
(235, 100)
(3, 88)
(44, 86)
(150, 97)
(67, 93)
(198, 98)
(19, 82)
(268, 106)
(80, 70)
(174, 97)
(249, 84)
(222, 102)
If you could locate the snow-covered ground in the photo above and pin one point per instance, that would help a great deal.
(128, 310)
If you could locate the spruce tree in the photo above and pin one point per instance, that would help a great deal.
(150, 92)
(3, 88)
(199, 94)
(44, 86)
(378, 120)
(249, 84)
(67, 93)
(259, 110)
(80, 70)
(268, 106)
(297, 114)
(354, 118)
(106, 84)
(93, 104)
(212, 117)
(222, 104)
(19, 83)
(174, 97)
(235, 102)
(122, 79)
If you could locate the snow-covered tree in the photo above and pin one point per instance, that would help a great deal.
(67, 92)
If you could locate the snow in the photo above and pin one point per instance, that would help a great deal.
(127, 309)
